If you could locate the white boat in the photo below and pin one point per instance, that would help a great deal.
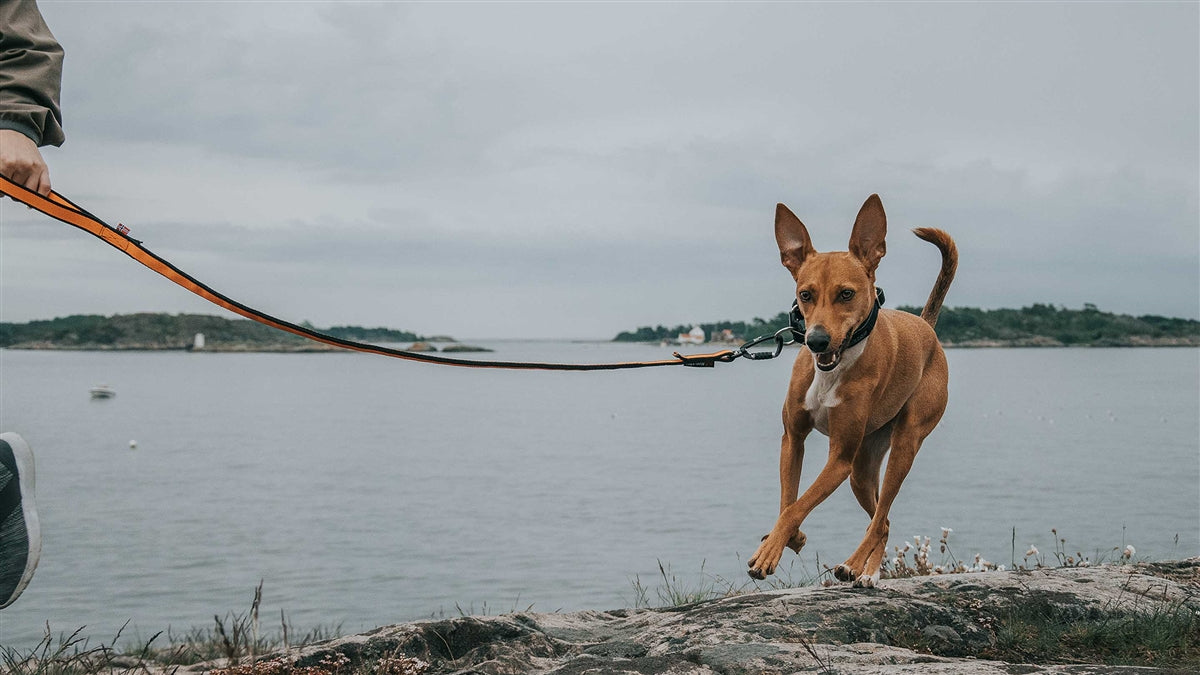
(103, 391)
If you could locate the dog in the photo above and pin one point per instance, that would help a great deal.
(870, 379)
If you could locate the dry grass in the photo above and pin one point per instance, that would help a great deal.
(235, 638)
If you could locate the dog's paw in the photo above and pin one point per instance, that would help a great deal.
(796, 542)
(867, 581)
(844, 572)
(764, 561)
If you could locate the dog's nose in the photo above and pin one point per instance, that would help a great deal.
(817, 339)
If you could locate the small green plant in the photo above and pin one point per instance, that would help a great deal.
(1040, 631)
(674, 592)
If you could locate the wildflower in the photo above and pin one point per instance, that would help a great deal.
(1128, 552)
(1032, 551)
(946, 532)
(907, 547)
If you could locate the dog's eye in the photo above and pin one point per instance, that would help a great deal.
(847, 294)
(805, 296)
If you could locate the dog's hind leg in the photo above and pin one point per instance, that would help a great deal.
(915, 422)
(864, 481)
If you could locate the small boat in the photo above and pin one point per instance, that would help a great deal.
(103, 391)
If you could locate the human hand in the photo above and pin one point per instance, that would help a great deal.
(22, 163)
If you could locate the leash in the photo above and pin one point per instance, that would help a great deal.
(64, 210)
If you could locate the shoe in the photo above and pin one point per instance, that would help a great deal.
(20, 536)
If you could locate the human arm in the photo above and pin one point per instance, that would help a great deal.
(30, 81)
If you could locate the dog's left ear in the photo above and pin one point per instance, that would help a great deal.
(795, 246)
(867, 239)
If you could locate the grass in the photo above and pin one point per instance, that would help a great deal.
(1039, 631)
(674, 591)
(235, 638)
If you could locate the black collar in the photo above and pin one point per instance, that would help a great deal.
(796, 321)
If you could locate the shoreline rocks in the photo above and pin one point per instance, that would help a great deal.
(933, 624)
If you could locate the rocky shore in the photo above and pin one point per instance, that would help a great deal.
(1064, 620)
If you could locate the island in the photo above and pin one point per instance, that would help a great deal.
(195, 332)
(1039, 325)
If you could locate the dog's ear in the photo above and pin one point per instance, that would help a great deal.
(792, 237)
(870, 229)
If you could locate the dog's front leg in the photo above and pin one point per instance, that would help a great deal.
(836, 470)
(791, 460)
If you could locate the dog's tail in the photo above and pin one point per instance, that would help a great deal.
(949, 264)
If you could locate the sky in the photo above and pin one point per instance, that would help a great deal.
(538, 170)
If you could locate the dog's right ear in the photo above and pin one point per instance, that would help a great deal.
(792, 237)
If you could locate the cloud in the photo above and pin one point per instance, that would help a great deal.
(583, 169)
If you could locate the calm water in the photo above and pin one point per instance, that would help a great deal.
(367, 491)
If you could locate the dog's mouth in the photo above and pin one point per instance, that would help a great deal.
(829, 360)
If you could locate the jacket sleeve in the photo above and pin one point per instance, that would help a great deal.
(30, 73)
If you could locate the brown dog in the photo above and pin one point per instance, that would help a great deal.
(869, 379)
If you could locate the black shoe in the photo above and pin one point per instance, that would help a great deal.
(20, 536)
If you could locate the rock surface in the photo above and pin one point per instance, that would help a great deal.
(939, 624)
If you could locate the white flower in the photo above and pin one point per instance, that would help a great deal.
(946, 532)
(1032, 551)
(1129, 551)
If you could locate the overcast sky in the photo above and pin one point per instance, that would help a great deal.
(573, 170)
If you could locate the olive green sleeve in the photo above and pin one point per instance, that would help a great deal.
(30, 73)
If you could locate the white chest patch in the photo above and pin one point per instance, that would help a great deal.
(823, 392)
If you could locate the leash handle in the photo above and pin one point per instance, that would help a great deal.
(64, 210)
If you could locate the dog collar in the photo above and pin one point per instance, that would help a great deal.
(796, 322)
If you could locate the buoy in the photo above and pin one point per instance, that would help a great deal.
(132, 445)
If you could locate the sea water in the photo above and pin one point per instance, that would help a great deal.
(364, 491)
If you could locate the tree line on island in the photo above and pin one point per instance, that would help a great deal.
(177, 331)
(1036, 325)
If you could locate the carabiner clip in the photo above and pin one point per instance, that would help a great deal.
(744, 350)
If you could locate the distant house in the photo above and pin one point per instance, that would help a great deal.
(693, 337)
(198, 341)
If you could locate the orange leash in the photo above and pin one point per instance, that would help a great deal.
(62, 209)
